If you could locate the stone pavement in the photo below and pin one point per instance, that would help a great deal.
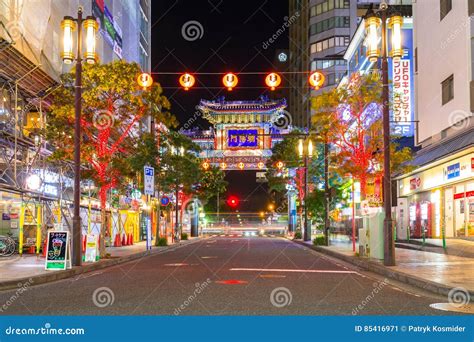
(432, 271)
(16, 269)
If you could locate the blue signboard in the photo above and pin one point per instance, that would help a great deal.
(453, 171)
(242, 138)
(165, 200)
(401, 74)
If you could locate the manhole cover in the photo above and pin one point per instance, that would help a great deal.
(467, 308)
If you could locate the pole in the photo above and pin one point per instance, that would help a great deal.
(307, 228)
(389, 247)
(76, 221)
(353, 217)
(176, 223)
(217, 207)
(326, 193)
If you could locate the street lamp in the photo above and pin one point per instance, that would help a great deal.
(305, 152)
(372, 22)
(68, 55)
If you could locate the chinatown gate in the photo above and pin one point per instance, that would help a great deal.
(243, 133)
(242, 137)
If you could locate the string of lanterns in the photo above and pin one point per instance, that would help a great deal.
(230, 80)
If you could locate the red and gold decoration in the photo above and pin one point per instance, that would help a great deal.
(316, 80)
(223, 165)
(145, 80)
(273, 80)
(261, 165)
(187, 81)
(241, 165)
(205, 165)
(279, 165)
(230, 80)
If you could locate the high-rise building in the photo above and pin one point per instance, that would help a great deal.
(318, 40)
(437, 197)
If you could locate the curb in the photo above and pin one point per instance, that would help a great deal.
(60, 275)
(438, 288)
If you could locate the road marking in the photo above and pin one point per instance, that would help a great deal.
(290, 270)
(176, 264)
(208, 257)
(272, 276)
(231, 282)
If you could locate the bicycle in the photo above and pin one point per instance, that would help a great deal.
(7, 246)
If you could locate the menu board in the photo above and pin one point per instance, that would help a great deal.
(57, 250)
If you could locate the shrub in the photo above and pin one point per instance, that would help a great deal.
(298, 235)
(184, 236)
(162, 242)
(319, 241)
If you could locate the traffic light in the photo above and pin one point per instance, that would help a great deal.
(233, 201)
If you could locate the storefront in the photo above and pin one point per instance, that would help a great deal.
(438, 199)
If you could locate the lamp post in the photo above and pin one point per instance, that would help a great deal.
(305, 151)
(69, 25)
(373, 21)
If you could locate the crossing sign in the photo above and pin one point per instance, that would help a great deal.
(149, 180)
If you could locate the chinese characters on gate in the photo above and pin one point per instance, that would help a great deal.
(242, 138)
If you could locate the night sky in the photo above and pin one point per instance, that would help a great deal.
(232, 39)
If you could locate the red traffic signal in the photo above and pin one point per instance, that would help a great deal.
(232, 201)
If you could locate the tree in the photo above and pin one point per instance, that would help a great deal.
(351, 119)
(112, 108)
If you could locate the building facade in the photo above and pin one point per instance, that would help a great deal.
(436, 199)
(36, 195)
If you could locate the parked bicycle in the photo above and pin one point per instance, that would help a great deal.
(7, 246)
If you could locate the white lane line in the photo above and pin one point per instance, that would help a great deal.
(290, 270)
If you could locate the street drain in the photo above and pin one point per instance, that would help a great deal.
(466, 308)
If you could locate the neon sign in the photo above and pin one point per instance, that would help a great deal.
(242, 138)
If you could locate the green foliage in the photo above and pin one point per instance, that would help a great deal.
(319, 240)
(298, 235)
(349, 118)
(184, 236)
(162, 242)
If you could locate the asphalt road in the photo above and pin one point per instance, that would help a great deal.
(225, 276)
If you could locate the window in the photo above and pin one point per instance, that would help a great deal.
(447, 90)
(444, 7)
(328, 5)
(328, 24)
(329, 43)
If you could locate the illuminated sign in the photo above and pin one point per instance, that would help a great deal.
(453, 171)
(242, 138)
(401, 112)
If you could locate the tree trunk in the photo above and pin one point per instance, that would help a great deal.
(103, 228)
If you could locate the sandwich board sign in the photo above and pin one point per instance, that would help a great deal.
(92, 247)
(149, 180)
(58, 254)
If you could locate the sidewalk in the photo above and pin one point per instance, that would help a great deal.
(435, 272)
(16, 270)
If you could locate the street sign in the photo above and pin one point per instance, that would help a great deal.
(92, 248)
(57, 251)
(149, 180)
(165, 200)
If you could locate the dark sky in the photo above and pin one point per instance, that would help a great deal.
(231, 39)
